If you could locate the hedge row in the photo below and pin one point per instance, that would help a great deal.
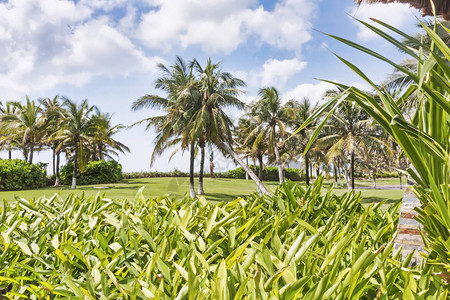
(16, 174)
(96, 172)
(269, 173)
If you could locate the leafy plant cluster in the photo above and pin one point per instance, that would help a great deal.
(17, 174)
(294, 244)
(96, 172)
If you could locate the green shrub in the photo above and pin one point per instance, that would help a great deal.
(96, 172)
(17, 174)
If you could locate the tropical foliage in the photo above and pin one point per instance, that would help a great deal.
(63, 127)
(295, 244)
(16, 174)
(425, 138)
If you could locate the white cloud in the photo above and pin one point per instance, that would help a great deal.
(314, 92)
(223, 25)
(394, 14)
(47, 42)
(276, 72)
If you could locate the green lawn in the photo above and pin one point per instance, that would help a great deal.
(220, 189)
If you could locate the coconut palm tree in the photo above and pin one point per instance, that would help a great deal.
(301, 112)
(54, 114)
(345, 133)
(103, 144)
(244, 143)
(272, 118)
(181, 103)
(27, 123)
(219, 90)
(78, 128)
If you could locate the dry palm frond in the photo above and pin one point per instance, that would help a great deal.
(442, 7)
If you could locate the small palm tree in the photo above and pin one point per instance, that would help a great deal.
(77, 130)
(25, 123)
(103, 144)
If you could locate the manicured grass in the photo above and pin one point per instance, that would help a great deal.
(220, 189)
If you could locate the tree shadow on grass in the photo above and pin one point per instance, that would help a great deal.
(370, 200)
(219, 197)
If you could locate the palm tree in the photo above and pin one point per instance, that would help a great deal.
(302, 111)
(25, 122)
(346, 132)
(219, 90)
(272, 118)
(102, 141)
(245, 143)
(181, 103)
(54, 114)
(77, 130)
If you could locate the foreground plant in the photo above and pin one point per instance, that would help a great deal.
(295, 244)
(425, 140)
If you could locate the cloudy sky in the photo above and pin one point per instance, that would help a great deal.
(106, 51)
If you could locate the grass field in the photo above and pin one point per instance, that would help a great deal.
(220, 189)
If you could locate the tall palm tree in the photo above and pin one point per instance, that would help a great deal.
(181, 103)
(272, 118)
(25, 122)
(54, 114)
(219, 90)
(78, 128)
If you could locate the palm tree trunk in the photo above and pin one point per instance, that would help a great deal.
(30, 161)
(200, 172)
(246, 174)
(57, 170)
(261, 165)
(280, 166)
(339, 172)
(100, 151)
(335, 174)
(191, 171)
(53, 159)
(261, 188)
(75, 166)
(352, 169)
(307, 168)
(9, 153)
(374, 179)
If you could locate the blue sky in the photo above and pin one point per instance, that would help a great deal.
(106, 51)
